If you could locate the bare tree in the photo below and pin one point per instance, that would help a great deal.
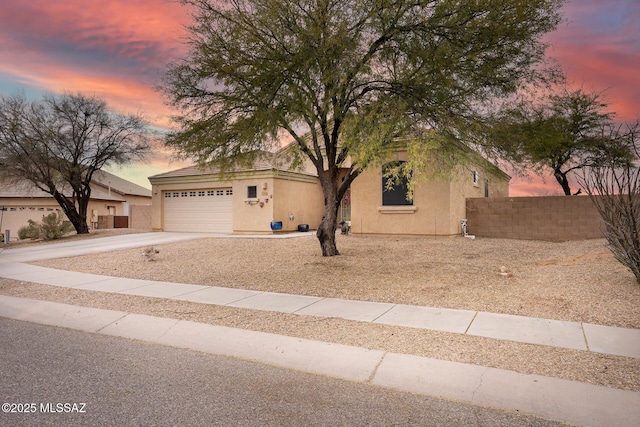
(59, 142)
(615, 190)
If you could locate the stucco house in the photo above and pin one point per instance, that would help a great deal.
(249, 200)
(110, 196)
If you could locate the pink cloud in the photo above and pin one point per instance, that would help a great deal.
(599, 49)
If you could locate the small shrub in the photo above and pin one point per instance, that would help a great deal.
(52, 227)
(149, 253)
(30, 231)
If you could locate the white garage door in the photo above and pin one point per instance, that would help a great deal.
(198, 210)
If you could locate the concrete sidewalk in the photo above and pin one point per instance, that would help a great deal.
(550, 398)
(555, 333)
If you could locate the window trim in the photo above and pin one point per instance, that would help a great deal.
(397, 187)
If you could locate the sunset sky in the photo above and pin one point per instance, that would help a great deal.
(117, 50)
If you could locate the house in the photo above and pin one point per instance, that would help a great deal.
(248, 200)
(244, 201)
(110, 196)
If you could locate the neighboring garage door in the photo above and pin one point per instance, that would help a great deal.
(199, 210)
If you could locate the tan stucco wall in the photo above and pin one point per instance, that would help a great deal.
(278, 197)
(137, 200)
(251, 215)
(438, 203)
(429, 214)
(21, 210)
(302, 201)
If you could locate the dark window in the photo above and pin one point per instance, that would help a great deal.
(395, 185)
(252, 192)
(486, 188)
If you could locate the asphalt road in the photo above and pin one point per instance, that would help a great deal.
(71, 378)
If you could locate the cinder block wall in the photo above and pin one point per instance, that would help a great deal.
(140, 217)
(556, 218)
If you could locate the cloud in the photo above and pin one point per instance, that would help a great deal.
(599, 48)
(113, 49)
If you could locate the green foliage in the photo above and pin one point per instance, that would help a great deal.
(30, 231)
(561, 133)
(52, 227)
(344, 79)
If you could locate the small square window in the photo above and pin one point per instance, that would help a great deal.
(167, 195)
(176, 194)
(192, 194)
(183, 194)
(252, 192)
(219, 192)
(210, 193)
(229, 192)
(200, 193)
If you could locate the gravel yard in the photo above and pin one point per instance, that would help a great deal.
(576, 281)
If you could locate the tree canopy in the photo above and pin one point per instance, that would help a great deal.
(345, 78)
(562, 133)
(59, 142)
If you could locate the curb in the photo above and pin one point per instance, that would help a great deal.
(550, 398)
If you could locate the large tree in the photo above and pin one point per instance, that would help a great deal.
(345, 78)
(561, 133)
(58, 143)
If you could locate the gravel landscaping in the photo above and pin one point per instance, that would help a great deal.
(576, 281)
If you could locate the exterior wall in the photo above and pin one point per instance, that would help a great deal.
(438, 204)
(463, 188)
(298, 203)
(140, 217)
(278, 197)
(253, 215)
(136, 200)
(555, 218)
(429, 214)
(21, 210)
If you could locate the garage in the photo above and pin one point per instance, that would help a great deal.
(208, 210)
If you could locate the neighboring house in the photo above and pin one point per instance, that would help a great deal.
(249, 200)
(110, 196)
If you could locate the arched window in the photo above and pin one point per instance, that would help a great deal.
(395, 185)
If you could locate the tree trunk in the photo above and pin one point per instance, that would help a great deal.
(327, 230)
(78, 221)
(327, 235)
(563, 181)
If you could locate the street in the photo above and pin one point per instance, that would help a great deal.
(64, 377)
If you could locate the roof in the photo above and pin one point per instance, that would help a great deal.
(258, 165)
(119, 185)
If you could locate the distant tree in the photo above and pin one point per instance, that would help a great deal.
(614, 187)
(561, 133)
(345, 78)
(59, 142)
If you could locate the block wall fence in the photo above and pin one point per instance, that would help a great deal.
(555, 218)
